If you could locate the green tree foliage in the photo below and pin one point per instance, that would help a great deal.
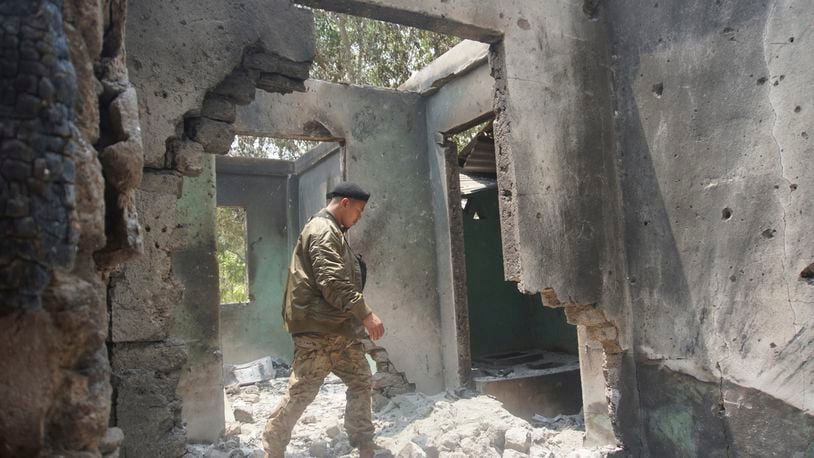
(231, 242)
(270, 148)
(366, 52)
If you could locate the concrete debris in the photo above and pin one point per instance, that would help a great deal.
(243, 415)
(256, 371)
(410, 425)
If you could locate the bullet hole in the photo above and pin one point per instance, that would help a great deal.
(646, 223)
(164, 229)
(791, 39)
(777, 186)
(591, 9)
(728, 30)
(804, 134)
(808, 274)
(632, 280)
(772, 345)
(798, 109)
(726, 213)
(524, 24)
(658, 90)
(147, 228)
(732, 278)
(762, 80)
(539, 215)
(793, 187)
(768, 233)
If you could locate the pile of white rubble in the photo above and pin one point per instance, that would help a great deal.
(410, 425)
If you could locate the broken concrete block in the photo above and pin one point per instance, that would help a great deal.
(215, 136)
(509, 453)
(187, 157)
(518, 439)
(268, 62)
(248, 373)
(218, 107)
(333, 431)
(586, 315)
(112, 440)
(275, 83)
(243, 415)
(238, 86)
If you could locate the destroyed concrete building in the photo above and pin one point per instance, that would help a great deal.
(651, 205)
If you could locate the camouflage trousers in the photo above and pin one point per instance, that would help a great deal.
(315, 356)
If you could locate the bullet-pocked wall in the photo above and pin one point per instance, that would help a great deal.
(713, 116)
(652, 169)
(190, 71)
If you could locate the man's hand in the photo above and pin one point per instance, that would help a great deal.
(374, 326)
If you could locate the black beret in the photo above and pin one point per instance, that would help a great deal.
(350, 190)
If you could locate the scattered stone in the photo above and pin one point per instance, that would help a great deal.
(232, 389)
(518, 439)
(411, 450)
(319, 449)
(333, 431)
(112, 440)
(243, 416)
(379, 402)
(232, 429)
(412, 425)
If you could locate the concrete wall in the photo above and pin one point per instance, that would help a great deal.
(385, 151)
(315, 177)
(460, 100)
(715, 167)
(652, 161)
(253, 330)
(190, 71)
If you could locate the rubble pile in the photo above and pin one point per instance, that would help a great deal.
(408, 425)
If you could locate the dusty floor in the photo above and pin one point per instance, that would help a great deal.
(410, 426)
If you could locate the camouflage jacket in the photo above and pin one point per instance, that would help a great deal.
(324, 287)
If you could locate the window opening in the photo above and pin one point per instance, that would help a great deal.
(230, 234)
(285, 149)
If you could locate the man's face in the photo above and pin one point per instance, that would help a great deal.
(352, 211)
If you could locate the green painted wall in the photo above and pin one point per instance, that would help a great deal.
(196, 318)
(500, 317)
(254, 330)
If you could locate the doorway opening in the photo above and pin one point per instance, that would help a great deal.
(523, 353)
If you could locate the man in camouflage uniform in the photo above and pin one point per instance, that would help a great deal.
(326, 314)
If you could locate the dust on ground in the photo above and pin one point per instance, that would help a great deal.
(410, 425)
